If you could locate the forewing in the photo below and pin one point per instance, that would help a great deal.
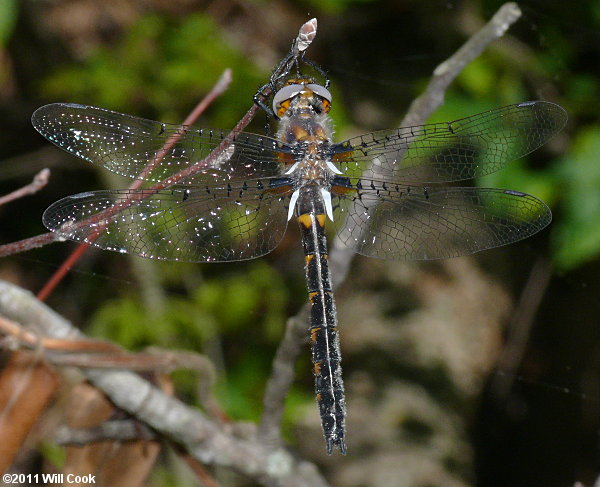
(451, 151)
(192, 224)
(154, 151)
(424, 223)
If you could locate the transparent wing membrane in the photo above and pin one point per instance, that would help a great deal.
(423, 223)
(232, 194)
(152, 151)
(451, 151)
(191, 224)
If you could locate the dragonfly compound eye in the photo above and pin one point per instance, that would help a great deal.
(323, 93)
(283, 98)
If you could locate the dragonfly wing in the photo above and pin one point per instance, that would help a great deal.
(154, 151)
(424, 223)
(451, 151)
(192, 224)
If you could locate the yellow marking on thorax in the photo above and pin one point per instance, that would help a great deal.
(308, 258)
(321, 220)
(299, 133)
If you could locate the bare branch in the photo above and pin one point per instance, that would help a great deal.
(136, 361)
(519, 328)
(35, 341)
(39, 181)
(116, 430)
(217, 90)
(206, 480)
(282, 375)
(28, 244)
(219, 87)
(206, 441)
(433, 96)
(101, 354)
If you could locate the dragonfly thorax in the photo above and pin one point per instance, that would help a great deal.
(302, 108)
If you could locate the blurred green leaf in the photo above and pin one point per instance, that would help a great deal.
(54, 454)
(478, 77)
(181, 325)
(163, 66)
(259, 297)
(519, 177)
(577, 233)
(8, 19)
(298, 403)
(335, 6)
(240, 394)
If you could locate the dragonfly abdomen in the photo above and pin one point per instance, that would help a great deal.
(326, 358)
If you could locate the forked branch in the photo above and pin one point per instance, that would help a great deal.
(207, 441)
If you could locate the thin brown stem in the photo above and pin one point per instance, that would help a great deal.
(39, 181)
(201, 473)
(133, 197)
(28, 244)
(519, 327)
(89, 353)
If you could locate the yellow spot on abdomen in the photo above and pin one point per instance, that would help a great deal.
(313, 334)
(305, 220)
(317, 368)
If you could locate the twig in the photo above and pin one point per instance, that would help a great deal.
(282, 376)
(34, 341)
(28, 244)
(206, 441)
(39, 181)
(62, 271)
(135, 361)
(47, 238)
(200, 472)
(90, 353)
(220, 86)
(341, 256)
(520, 327)
(115, 430)
(432, 98)
(217, 90)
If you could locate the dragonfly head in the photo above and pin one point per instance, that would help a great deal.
(301, 93)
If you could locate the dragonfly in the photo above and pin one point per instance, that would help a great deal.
(208, 195)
